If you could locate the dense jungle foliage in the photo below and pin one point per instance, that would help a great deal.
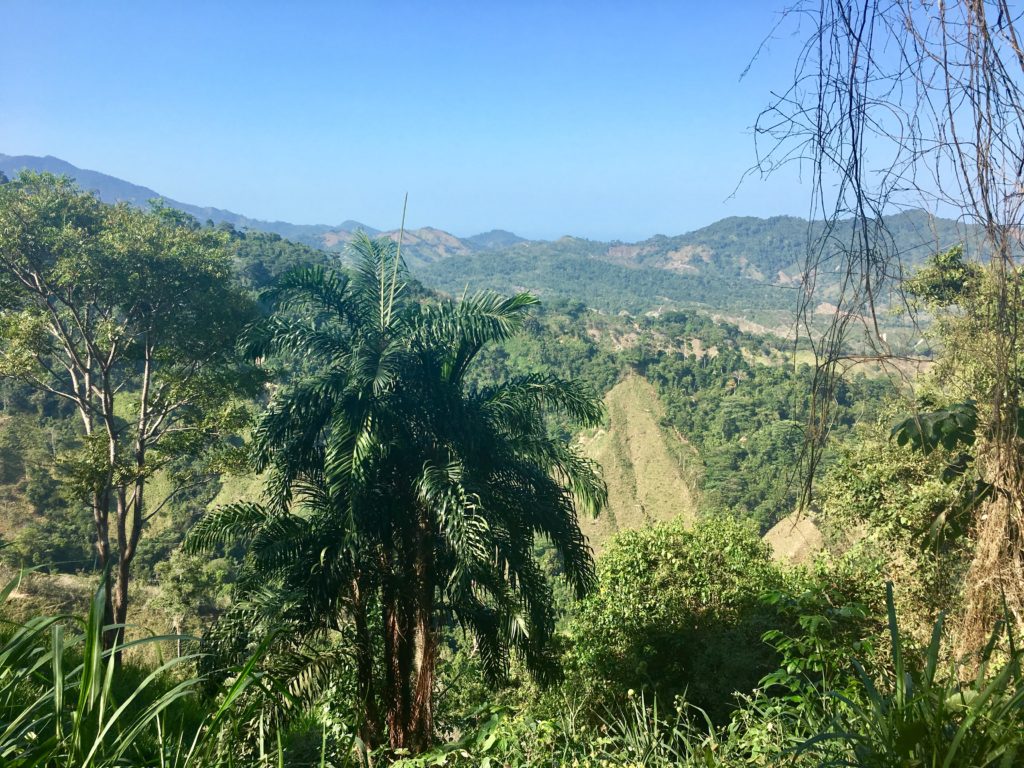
(360, 543)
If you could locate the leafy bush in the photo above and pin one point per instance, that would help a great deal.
(920, 715)
(898, 502)
(678, 611)
(640, 734)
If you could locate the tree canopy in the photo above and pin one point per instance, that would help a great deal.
(131, 317)
(399, 497)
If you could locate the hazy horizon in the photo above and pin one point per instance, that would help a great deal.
(388, 227)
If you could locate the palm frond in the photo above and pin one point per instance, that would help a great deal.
(465, 530)
(226, 525)
(313, 287)
(379, 279)
(452, 334)
(582, 476)
(515, 403)
(298, 337)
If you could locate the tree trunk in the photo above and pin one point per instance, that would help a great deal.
(129, 530)
(117, 592)
(398, 638)
(410, 647)
(100, 503)
(130, 512)
(369, 727)
(120, 603)
(421, 715)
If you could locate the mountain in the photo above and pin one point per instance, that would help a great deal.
(421, 246)
(774, 250)
(111, 189)
(496, 238)
(575, 269)
(742, 267)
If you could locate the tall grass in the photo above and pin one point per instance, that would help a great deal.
(923, 714)
(65, 702)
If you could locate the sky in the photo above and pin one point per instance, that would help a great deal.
(607, 120)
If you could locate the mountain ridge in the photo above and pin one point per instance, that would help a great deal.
(736, 262)
(112, 189)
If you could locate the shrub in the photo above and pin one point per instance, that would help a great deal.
(921, 713)
(678, 611)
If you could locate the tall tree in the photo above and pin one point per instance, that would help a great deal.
(130, 316)
(400, 497)
(906, 104)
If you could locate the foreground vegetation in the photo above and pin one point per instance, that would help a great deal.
(842, 683)
(357, 504)
(399, 593)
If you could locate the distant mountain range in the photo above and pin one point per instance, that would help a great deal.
(114, 190)
(421, 245)
(734, 264)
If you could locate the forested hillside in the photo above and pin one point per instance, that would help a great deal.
(717, 387)
(720, 390)
(358, 521)
(743, 267)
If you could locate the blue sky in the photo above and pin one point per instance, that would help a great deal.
(603, 120)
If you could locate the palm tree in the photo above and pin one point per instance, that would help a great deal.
(399, 495)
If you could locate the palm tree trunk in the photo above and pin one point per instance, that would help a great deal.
(400, 646)
(369, 727)
(399, 638)
(421, 715)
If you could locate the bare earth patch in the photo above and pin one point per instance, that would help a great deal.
(647, 482)
(795, 539)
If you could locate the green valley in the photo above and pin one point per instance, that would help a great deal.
(746, 494)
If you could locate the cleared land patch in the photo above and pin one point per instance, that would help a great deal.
(644, 465)
(795, 539)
